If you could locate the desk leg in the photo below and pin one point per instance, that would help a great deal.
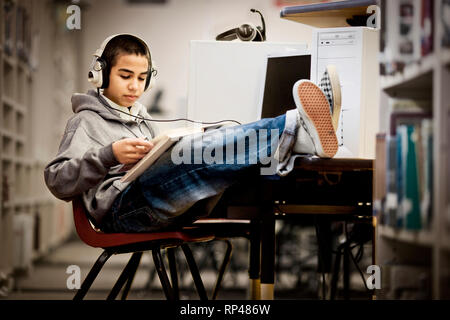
(346, 280)
(267, 253)
(255, 261)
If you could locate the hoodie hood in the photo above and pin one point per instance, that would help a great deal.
(93, 102)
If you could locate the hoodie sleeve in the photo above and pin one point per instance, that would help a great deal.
(81, 163)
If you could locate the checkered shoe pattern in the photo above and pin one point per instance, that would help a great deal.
(325, 85)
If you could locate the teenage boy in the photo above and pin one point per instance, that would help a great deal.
(110, 128)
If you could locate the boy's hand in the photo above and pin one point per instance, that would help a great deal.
(131, 150)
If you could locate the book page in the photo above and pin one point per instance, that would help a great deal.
(160, 144)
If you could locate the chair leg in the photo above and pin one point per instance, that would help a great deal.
(223, 267)
(127, 287)
(127, 275)
(194, 272)
(173, 272)
(92, 275)
(161, 270)
(151, 275)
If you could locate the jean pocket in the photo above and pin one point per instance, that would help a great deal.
(141, 220)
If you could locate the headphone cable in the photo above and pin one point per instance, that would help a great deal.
(161, 120)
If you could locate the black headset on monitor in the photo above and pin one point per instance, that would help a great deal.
(245, 32)
(99, 72)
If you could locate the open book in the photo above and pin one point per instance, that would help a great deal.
(160, 144)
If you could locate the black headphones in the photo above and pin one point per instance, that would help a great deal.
(245, 32)
(99, 72)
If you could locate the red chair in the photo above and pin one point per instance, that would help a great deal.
(117, 243)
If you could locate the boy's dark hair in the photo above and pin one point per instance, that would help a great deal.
(127, 44)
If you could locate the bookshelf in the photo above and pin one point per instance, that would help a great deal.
(15, 103)
(416, 79)
(417, 258)
(31, 220)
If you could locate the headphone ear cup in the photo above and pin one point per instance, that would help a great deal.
(95, 78)
(246, 32)
(97, 75)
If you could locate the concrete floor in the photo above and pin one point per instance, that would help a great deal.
(47, 279)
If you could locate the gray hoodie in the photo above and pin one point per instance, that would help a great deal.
(85, 164)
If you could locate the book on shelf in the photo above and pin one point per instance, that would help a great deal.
(445, 21)
(409, 171)
(160, 144)
(408, 39)
(391, 201)
(380, 176)
(426, 202)
(8, 13)
(20, 21)
(399, 218)
(23, 34)
(427, 27)
(407, 117)
(410, 204)
(27, 38)
(409, 33)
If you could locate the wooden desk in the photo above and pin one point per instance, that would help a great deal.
(338, 187)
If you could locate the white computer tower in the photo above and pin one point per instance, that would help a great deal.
(354, 51)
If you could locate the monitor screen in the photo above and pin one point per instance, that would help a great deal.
(282, 73)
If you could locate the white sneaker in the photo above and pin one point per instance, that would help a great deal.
(316, 134)
(331, 87)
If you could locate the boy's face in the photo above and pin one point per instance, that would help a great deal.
(127, 79)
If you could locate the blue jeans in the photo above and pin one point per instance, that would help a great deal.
(161, 198)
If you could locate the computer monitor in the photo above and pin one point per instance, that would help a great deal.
(226, 78)
(282, 72)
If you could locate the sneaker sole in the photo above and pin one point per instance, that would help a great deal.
(337, 98)
(314, 108)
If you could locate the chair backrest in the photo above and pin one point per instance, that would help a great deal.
(82, 225)
(99, 239)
